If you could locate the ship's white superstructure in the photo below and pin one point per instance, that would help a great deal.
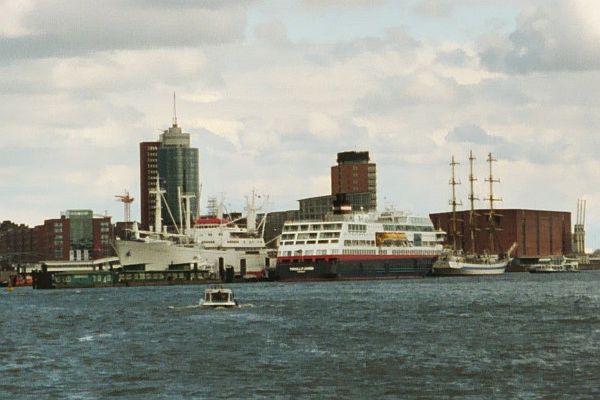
(554, 264)
(213, 243)
(359, 245)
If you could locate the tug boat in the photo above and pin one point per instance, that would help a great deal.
(217, 296)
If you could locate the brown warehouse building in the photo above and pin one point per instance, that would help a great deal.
(537, 233)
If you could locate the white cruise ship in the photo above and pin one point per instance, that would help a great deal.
(358, 245)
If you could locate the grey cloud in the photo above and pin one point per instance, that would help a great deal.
(552, 37)
(63, 29)
(500, 90)
(395, 39)
(472, 134)
(208, 4)
(396, 92)
(456, 57)
(319, 4)
(541, 152)
(434, 8)
(211, 142)
(272, 33)
(536, 149)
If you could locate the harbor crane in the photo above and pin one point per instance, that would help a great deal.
(126, 200)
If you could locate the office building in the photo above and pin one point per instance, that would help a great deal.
(176, 164)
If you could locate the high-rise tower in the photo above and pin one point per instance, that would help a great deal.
(176, 164)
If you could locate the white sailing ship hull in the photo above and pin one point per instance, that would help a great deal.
(455, 267)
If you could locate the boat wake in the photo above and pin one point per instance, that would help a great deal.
(192, 306)
(184, 307)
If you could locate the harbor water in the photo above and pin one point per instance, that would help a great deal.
(515, 336)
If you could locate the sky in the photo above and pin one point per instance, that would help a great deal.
(272, 90)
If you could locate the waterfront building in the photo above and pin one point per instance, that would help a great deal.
(274, 225)
(354, 178)
(317, 207)
(76, 235)
(354, 173)
(537, 233)
(176, 163)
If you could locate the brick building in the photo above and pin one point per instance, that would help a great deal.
(354, 174)
(537, 233)
(77, 234)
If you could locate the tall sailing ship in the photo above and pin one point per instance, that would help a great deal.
(349, 245)
(455, 261)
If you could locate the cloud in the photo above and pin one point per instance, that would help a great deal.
(434, 8)
(411, 90)
(60, 28)
(272, 33)
(455, 57)
(316, 4)
(11, 15)
(472, 134)
(554, 36)
(396, 40)
(269, 112)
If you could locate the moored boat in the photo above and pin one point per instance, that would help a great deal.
(554, 264)
(454, 261)
(213, 244)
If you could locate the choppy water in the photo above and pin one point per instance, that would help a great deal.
(515, 336)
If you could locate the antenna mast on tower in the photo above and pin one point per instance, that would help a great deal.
(174, 110)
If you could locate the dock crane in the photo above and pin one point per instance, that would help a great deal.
(126, 200)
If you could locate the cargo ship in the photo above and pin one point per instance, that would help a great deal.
(212, 245)
(349, 245)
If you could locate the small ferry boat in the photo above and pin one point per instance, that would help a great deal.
(217, 296)
(554, 264)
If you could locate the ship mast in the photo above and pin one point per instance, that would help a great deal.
(492, 223)
(472, 198)
(157, 192)
(453, 202)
